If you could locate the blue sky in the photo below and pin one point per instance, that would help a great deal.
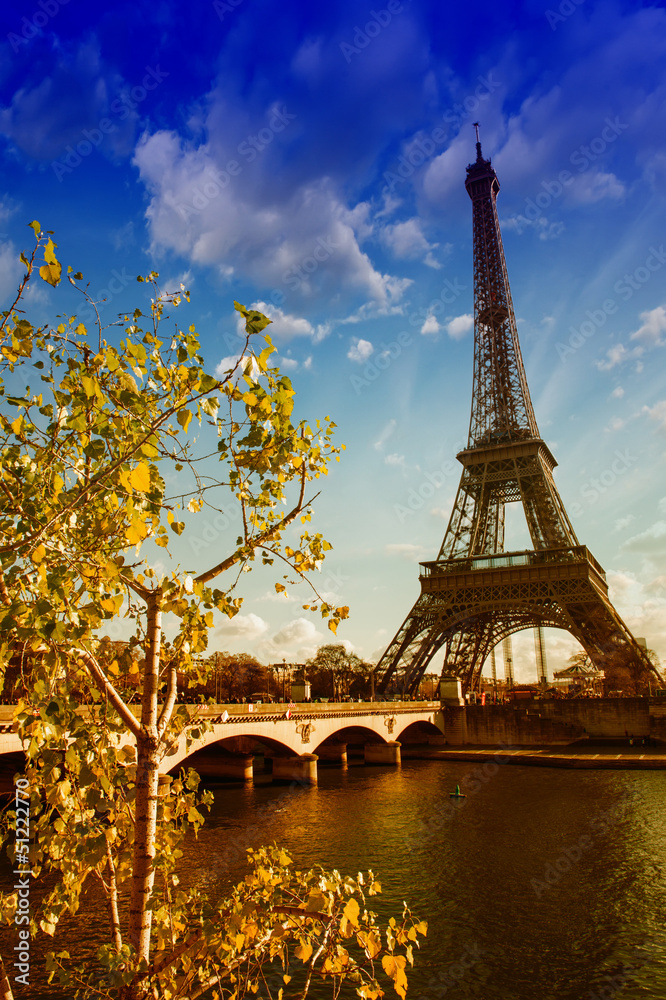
(313, 159)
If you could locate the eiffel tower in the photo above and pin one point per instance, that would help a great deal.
(475, 594)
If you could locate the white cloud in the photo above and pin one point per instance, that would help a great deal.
(624, 522)
(395, 459)
(360, 350)
(459, 326)
(653, 329)
(544, 229)
(303, 241)
(285, 326)
(615, 355)
(651, 542)
(385, 434)
(228, 363)
(617, 393)
(657, 413)
(406, 241)
(11, 270)
(430, 325)
(246, 627)
(413, 553)
(591, 187)
(296, 641)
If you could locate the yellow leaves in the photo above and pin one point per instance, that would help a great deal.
(303, 951)
(372, 943)
(89, 386)
(52, 269)
(250, 398)
(57, 484)
(351, 911)
(38, 554)
(394, 966)
(349, 918)
(317, 902)
(280, 588)
(333, 625)
(137, 531)
(239, 941)
(16, 425)
(139, 478)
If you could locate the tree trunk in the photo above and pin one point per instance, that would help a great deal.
(147, 776)
(5, 986)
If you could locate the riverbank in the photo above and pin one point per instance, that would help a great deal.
(592, 758)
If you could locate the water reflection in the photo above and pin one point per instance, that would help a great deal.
(542, 883)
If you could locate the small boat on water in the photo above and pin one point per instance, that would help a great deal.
(457, 794)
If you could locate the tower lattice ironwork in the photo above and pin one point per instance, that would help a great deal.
(475, 594)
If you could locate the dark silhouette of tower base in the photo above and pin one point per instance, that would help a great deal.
(475, 594)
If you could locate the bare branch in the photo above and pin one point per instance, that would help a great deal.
(105, 686)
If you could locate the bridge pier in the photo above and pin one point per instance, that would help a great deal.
(336, 753)
(382, 753)
(302, 769)
(210, 764)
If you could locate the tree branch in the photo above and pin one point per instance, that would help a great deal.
(106, 688)
(266, 536)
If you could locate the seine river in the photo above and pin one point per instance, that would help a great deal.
(543, 884)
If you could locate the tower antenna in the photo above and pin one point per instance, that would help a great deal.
(478, 141)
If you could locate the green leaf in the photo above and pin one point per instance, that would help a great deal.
(184, 417)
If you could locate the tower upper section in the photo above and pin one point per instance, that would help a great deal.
(501, 405)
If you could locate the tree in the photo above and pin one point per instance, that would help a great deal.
(333, 668)
(624, 674)
(85, 464)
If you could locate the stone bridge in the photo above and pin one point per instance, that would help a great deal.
(292, 740)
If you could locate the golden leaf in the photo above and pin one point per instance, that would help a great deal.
(140, 477)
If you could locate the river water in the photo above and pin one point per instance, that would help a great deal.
(542, 883)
